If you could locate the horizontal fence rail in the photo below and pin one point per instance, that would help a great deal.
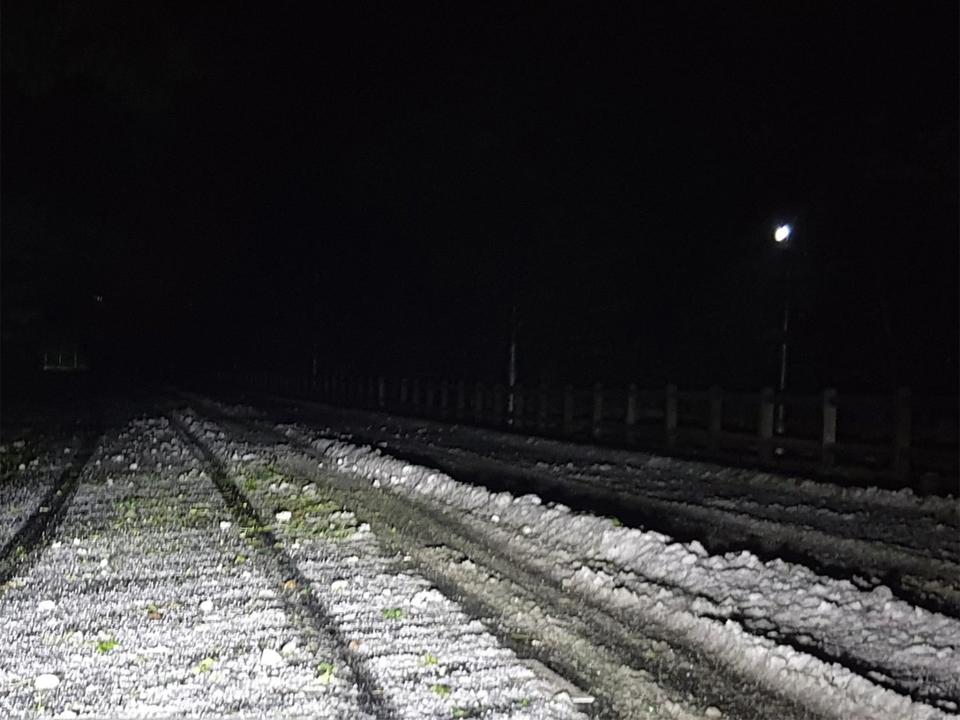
(902, 440)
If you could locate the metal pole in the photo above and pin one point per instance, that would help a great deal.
(781, 420)
(783, 368)
(512, 366)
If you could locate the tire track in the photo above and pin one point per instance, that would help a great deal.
(26, 545)
(301, 603)
(682, 671)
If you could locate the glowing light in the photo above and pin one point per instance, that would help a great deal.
(782, 233)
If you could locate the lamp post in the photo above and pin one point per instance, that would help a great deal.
(781, 235)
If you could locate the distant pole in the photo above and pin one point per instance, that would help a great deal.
(781, 387)
(512, 366)
(316, 325)
(782, 237)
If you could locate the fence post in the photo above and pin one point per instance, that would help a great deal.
(478, 403)
(630, 421)
(715, 426)
(498, 405)
(444, 398)
(415, 393)
(542, 403)
(597, 419)
(568, 409)
(901, 439)
(765, 428)
(518, 406)
(381, 391)
(670, 415)
(403, 391)
(461, 399)
(428, 404)
(829, 441)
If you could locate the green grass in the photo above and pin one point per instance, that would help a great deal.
(205, 665)
(106, 645)
(462, 712)
(325, 672)
(393, 613)
(441, 690)
(429, 659)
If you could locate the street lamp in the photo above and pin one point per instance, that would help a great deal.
(781, 235)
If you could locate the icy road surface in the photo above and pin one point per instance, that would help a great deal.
(212, 562)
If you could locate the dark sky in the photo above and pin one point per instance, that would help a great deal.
(239, 183)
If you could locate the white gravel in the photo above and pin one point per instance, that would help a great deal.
(758, 616)
(154, 600)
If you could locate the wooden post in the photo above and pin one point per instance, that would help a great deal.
(381, 391)
(403, 392)
(498, 414)
(543, 400)
(568, 409)
(715, 426)
(829, 440)
(415, 393)
(901, 438)
(444, 398)
(478, 403)
(765, 425)
(597, 418)
(670, 415)
(518, 406)
(428, 404)
(630, 421)
(461, 399)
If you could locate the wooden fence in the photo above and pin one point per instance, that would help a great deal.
(900, 440)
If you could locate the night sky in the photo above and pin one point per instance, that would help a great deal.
(240, 184)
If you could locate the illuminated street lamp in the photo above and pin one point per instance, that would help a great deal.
(781, 235)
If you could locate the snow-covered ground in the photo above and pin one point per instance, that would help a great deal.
(31, 467)
(771, 617)
(160, 595)
(216, 562)
(872, 537)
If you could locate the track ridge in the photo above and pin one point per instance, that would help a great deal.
(21, 550)
(303, 602)
(621, 637)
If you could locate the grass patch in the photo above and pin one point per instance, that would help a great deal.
(325, 672)
(440, 690)
(429, 659)
(205, 665)
(393, 613)
(462, 712)
(106, 645)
